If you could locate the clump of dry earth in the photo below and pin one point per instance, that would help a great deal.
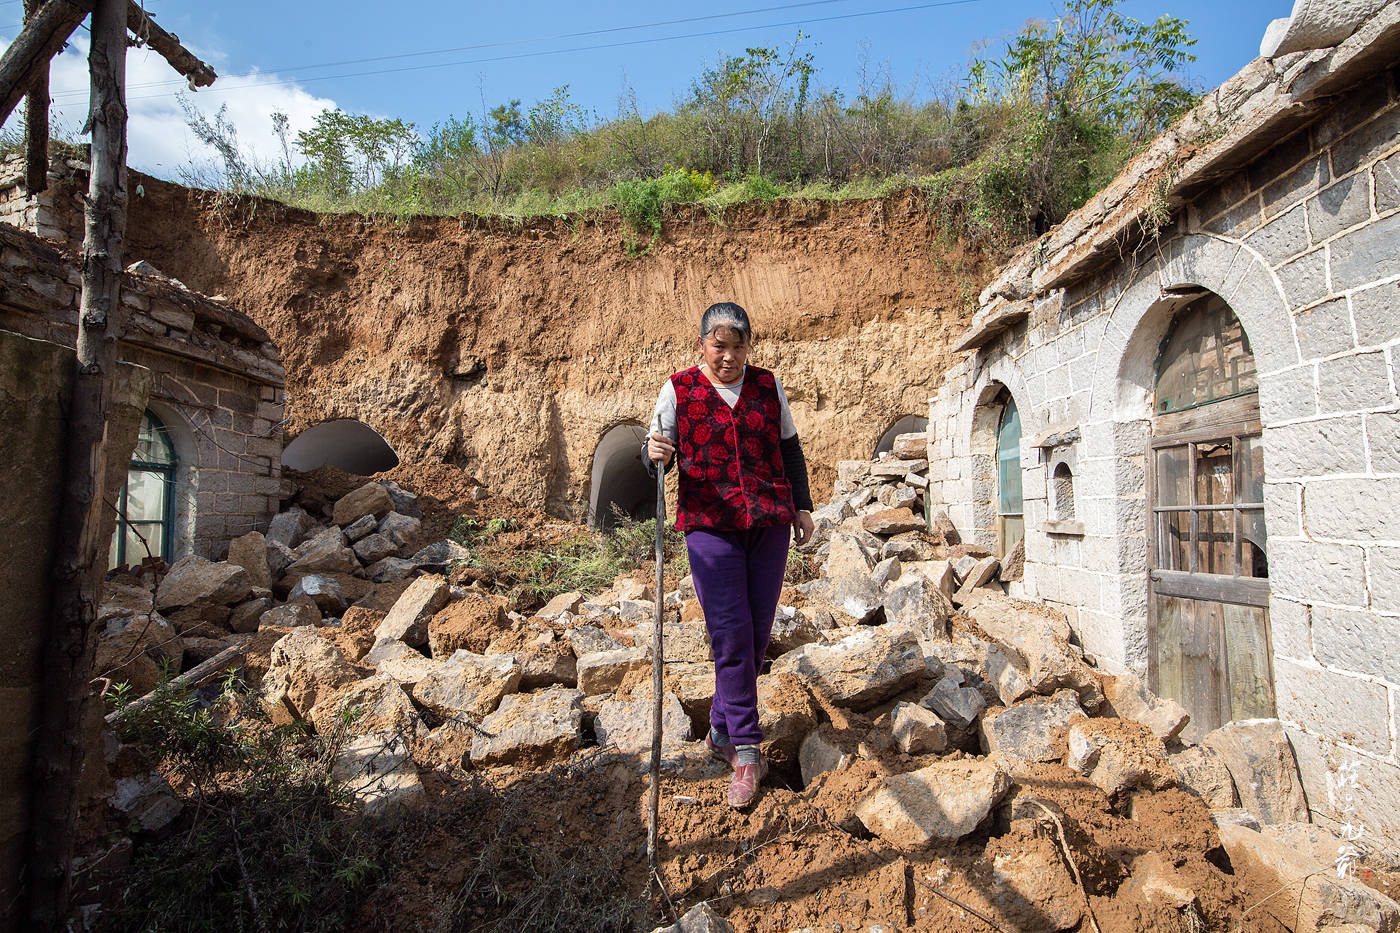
(945, 757)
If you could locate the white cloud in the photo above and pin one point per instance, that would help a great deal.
(159, 141)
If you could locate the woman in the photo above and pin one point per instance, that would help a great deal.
(743, 483)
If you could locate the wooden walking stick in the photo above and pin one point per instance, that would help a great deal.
(654, 802)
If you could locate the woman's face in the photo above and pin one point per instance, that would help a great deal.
(724, 352)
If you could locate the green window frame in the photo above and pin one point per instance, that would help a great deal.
(145, 506)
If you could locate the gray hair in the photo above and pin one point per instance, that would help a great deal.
(726, 314)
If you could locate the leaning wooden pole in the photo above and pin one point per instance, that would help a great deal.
(36, 124)
(658, 662)
(68, 650)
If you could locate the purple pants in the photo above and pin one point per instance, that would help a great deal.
(738, 577)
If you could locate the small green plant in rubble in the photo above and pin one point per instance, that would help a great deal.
(267, 841)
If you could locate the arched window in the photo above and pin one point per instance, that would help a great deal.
(1011, 522)
(1062, 486)
(1205, 358)
(145, 504)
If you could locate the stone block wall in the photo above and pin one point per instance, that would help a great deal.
(1299, 231)
(35, 386)
(218, 384)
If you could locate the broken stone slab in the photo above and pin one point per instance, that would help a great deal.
(374, 548)
(886, 572)
(897, 469)
(1321, 844)
(942, 527)
(699, 919)
(1156, 881)
(245, 616)
(375, 704)
(1005, 674)
(916, 730)
(398, 528)
(821, 751)
(635, 610)
(440, 556)
(547, 666)
(910, 547)
(463, 622)
(361, 528)
(589, 639)
(980, 574)
(300, 611)
(834, 512)
(468, 685)
(194, 580)
(530, 729)
(370, 499)
(786, 713)
(324, 553)
(412, 612)
(604, 671)
(303, 668)
(625, 725)
(693, 684)
(1118, 760)
(1202, 772)
(390, 569)
(945, 800)
(682, 641)
(323, 591)
(854, 594)
(852, 471)
(1261, 763)
(912, 446)
(290, 527)
(1042, 639)
(405, 502)
(914, 602)
(564, 602)
(134, 649)
(1326, 902)
(1128, 698)
(892, 522)
(862, 669)
(1027, 730)
(250, 552)
(899, 496)
(937, 572)
(399, 661)
(379, 773)
(147, 802)
(847, 554)
(955, 704)
(791, 629)
(279, 558)
(1012, 568)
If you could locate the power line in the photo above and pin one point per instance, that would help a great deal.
(548, 52)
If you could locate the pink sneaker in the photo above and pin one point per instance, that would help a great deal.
(743, 790)
(724, 753)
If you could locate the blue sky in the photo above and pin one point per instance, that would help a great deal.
(278, 56)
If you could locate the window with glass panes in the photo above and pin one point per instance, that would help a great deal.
(144, 507)
(1011, 522)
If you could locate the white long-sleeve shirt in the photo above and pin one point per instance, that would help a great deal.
(663, 419)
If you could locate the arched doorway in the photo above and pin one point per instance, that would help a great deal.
(620, 483)
(345, 443)
(1208, 593)
(909, 424)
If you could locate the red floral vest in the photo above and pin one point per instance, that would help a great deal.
(731, 467)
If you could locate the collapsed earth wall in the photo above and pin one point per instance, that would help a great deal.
(511, 350)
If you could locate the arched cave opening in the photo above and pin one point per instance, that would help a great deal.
(908, 424)
(345, 443)
(620, 482)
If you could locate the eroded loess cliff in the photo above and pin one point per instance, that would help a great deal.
(510, 350)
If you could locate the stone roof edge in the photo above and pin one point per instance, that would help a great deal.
(1250, 106)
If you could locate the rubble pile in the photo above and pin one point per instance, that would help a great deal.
(908, 698)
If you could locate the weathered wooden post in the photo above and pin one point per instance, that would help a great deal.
(68, 652)
(36, 124)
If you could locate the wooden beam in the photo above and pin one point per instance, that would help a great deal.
(192, 679)
(28, 56)
(77, 575)
(36, 123)
(144, 28)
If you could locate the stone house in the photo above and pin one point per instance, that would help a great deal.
(1184, 400)
(207, 463)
